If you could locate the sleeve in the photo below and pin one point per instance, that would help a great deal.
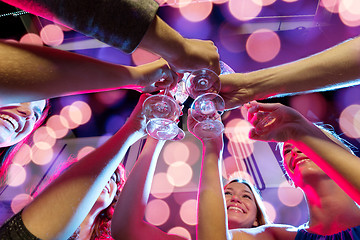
(119, 23)
(14, 229)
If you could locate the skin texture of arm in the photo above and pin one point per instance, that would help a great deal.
(212, 219)
(290, 126)
(183, 54)
(127, 222)
(57, 211)
(125, 24)
(29, 73)
(333, 68)
(120, 23)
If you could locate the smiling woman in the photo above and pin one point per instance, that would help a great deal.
(17, 121)
(245, 208)
(318, 163)
(81, 199)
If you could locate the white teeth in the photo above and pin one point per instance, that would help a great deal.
(236, 209)
(298, 162)
(12, 121)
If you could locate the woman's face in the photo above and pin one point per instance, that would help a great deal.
(297, 164)
(108, 193)
(18, 120)
(241, 206)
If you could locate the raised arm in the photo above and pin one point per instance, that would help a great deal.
(333, 68)
(212, 220)
(62, 206)
(127, 222)
(276, 122)
(30, 73)
(125, 24)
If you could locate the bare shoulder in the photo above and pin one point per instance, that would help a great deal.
(265, 232)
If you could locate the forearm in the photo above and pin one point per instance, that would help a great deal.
(63, 205)
(333, 68)
(336, 161)
(127, 222)
(121, 23)
(211, 224)
(30, 73)
(163, 40)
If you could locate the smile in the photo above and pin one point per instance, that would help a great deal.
(10, 120)
(233, 208)
(299, 161)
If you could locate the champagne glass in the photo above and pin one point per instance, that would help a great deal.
(162, 113)
(207, 110)
(202, 81)
(204, 85)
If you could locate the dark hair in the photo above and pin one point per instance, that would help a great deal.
(101, 226)
(329, 131)
(7, 153)
(261, 215)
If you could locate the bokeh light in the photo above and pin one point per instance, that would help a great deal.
(180, 231)
(157, 212)
(178, 3)
(52, 35)
(267, 2)
(66, 113)
(188, 212)
(270, 210)
(349, 12)
(313, 106)
(84, 151)
(263, 45)
(20, 201)
(179, 174)
(330, 5)
(237, 130)
(288, 195)
(111, 97)
(44, 137)
(31, 38)
(23, 155)
(81, 112)
(16, 175)
(161, 187)
(176, 152)
(240, 150)
(41, 156)
(232, 165)
(194, 150)
(141, 56)
(245, 10)
(197, 30)
(349, 121)
(196, 12)
(55, 122)
(219, 1)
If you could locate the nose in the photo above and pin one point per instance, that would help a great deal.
(295, 152)
(235, 198)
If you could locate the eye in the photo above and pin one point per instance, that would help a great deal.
(286, 151)
(247, 196)
(37, 116)
(113, 177)
(227, 193)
